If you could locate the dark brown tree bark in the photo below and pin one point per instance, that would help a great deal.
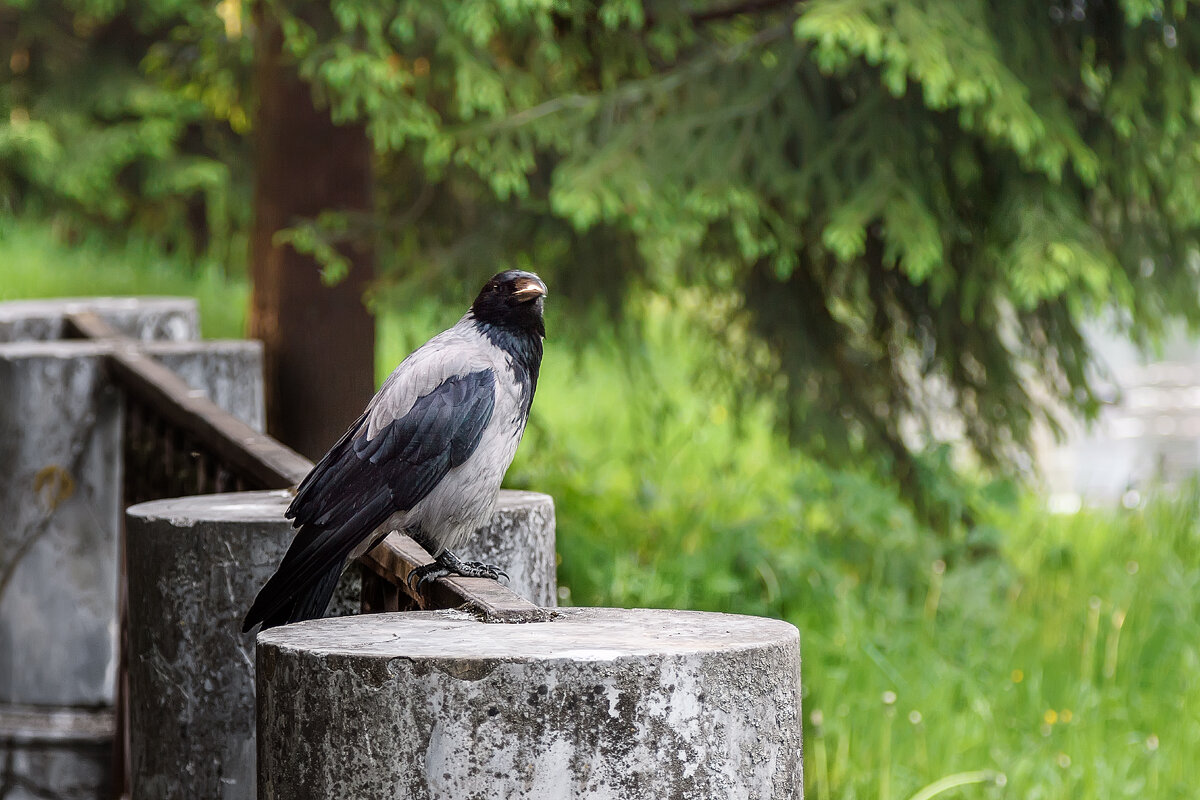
(319, 340)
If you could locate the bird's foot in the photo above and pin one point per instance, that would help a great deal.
(446, 563)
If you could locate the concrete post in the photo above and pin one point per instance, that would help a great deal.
(194, 565)
(171, 319)
(228, 371)
(520, 540)
(60, 498)
(598, 703)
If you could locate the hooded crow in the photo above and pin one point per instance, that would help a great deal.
(425, 458)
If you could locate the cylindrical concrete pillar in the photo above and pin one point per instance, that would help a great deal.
(194, 565)
(598, 703)
(520, 540)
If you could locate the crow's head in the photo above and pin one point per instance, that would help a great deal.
(512, 300)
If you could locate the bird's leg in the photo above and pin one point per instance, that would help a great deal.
(446, 563)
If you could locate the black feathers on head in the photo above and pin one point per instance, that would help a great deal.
(513, 301)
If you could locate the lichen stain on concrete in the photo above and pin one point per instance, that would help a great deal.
(373, 673)
(466, 669)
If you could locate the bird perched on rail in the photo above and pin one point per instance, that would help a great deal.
(425, 458)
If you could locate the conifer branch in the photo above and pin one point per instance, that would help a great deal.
(749, 7)
(716, 14)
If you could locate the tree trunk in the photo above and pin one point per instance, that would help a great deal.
(319, 340)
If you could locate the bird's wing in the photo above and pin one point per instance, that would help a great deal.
(364, 479)
(406, 457)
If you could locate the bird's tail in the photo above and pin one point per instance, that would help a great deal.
(272, 609)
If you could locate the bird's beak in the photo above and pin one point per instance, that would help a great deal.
(529, 289)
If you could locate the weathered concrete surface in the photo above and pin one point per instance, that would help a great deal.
(59, 753)
(145, 318)
(60, 495)
(194, 566)
(228, 371)
(59, 499)
(520, 540)
(600, 703)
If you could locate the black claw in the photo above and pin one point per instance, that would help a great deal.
(449, 564)
(430, 576)
(426, 573)
(478, 569)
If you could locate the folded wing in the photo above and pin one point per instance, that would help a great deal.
(363, 480)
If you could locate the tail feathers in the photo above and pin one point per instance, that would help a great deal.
(309, 603)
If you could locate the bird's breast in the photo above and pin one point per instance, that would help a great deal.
(465, 498)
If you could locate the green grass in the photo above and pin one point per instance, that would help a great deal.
(1068, 662)
(34, 263)
(1063, 661)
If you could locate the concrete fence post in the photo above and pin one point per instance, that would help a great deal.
(61, 467)
(194, 565)
(597, 703)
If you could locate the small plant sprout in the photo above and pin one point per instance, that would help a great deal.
(841, 758)
(820, 754)
(1091, 631)
(916, 720)
(934, 596)
(885, 745)
(1113, 644)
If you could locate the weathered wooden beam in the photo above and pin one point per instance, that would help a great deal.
(253, 454)
(397, 556)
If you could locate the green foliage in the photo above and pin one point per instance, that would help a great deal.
(903, 194)
(916, 204)
(1061, 665)
(98, 127)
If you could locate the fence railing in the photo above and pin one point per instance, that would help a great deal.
(177, 442)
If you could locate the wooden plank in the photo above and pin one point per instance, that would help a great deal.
(250, 453)
(397, 556)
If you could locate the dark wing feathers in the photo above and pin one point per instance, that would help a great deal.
(319, 476)
(361, 482)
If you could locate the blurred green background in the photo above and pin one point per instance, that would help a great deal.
(819, 274)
